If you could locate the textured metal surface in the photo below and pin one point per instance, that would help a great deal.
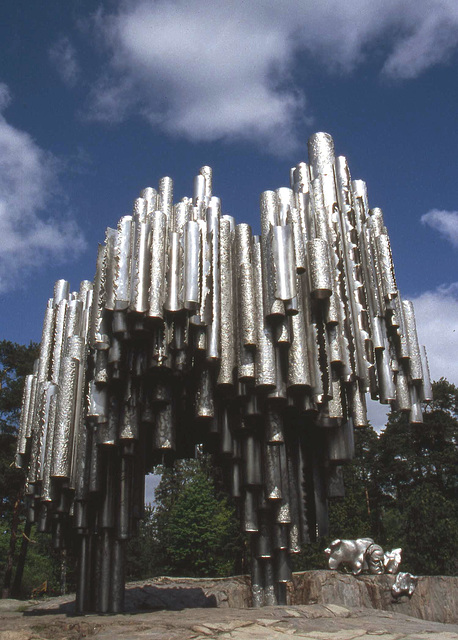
(283, 256)
(192, 265)
(321, 153)
(319, 268)
(245, 285)
(122, 263)
(261, 349)
(157, 272)
(226, 373)
(364, 555)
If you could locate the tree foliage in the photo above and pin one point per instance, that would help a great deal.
(192, 529)
(402, 487)
(143, 555)
(16, 361)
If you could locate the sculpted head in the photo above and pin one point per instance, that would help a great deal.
(392, 560)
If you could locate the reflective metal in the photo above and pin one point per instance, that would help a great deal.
(157, 268)
(260, 348)
(122, 263)
(192, 274)
(245, 286)
(226, 372)
(283, 256)
(404, 585)
(319, 268)
(364, 555)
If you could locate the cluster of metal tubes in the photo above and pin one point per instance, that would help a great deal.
(261, 349)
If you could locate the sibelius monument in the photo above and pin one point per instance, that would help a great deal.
(261, 349)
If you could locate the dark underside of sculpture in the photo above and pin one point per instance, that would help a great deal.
(261, 349)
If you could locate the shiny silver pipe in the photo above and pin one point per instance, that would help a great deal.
(321, 153)
(245, 286)
(174, 297)
(226, 371)
(265, 353)
(66, 409)
(140, 276)
(122, 262)
(319, 268)
(415, 367)
(192, 258)
(214, 304)
(284, 262)
(150, 196)
(165, 196)
(269, 219)
(157, 267)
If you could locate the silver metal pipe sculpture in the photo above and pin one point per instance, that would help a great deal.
(261, 349)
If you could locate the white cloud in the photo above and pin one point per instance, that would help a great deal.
(446, 222)
(219, 70)
(63, 56)
(28, 180)
(430, 38)
(204, 71)
(436, 313)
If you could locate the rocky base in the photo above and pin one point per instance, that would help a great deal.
(435, 598)
(310, 622)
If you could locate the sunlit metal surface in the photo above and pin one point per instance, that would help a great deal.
(261, 349)
(362, 555)
(404, 585)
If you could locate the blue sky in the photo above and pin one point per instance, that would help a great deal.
(99, 100)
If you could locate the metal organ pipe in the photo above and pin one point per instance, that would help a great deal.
(273, 340)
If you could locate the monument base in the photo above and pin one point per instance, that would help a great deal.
(435, 598)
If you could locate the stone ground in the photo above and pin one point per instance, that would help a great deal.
(53, 620)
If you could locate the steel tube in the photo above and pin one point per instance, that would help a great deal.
(267, 344)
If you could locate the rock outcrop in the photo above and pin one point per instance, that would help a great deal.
(435, 598)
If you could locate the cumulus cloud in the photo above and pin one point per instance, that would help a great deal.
(28, 180)
(446, 222)
(219, 70)
(62, 54)
(437, 326)
(430, 36)
(203, 71)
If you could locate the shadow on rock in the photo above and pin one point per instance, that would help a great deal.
(150, 598)
(44, 609)
(138, 600)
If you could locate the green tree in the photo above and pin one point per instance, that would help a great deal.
(143, 554)
(430, 532)
(201, 531)
(356, 514)
(194, 526)
(16, 361)
(416, 467)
